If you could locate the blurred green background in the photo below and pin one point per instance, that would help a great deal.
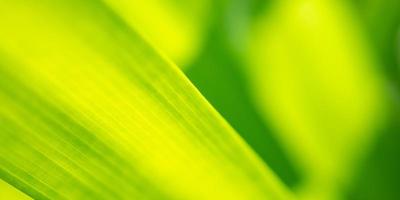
(313, 86)
(219, 71)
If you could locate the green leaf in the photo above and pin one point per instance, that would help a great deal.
(88, 110)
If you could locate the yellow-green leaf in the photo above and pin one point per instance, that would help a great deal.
(88, 110)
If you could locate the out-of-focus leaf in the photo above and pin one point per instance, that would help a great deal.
(378, 174)
(88, 110)
(318, 83)
(177, 27)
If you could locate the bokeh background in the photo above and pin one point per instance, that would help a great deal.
(332, 69)
(313, 86)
